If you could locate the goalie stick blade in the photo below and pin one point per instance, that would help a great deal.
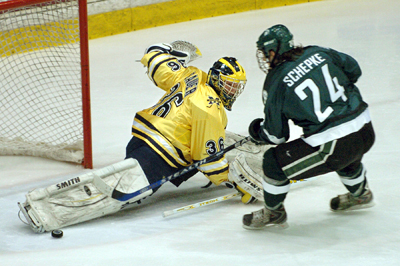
(102, 186)
(121, 196)
(109, 191)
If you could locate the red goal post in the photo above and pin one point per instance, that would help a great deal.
(44, 80)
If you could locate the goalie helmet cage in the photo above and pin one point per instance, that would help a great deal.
(44, 80)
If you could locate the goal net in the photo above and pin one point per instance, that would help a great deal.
(44, 80)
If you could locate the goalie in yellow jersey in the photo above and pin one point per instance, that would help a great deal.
(186, 125)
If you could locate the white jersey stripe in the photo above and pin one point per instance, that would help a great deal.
(165, 144)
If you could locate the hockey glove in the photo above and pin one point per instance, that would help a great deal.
(160, 47)
(254, 128)
(192, 51)
(246, 197)
(167, 48)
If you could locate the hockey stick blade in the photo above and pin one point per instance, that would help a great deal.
(121, 196)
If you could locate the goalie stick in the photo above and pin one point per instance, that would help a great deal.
(112, 192)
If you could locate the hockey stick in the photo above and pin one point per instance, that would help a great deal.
(121, 196)
(200, 204)
(210, 201)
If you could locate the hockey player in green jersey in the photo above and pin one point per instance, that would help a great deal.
(315, 88)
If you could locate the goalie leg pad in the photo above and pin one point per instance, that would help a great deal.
(78, 199)
(242, 174)
(253, 153)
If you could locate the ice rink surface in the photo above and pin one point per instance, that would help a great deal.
(369, 30)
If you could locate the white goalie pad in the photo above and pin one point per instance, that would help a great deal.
(254, 153)
(78, 200)
(243, 175)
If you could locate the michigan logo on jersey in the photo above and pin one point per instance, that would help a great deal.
(211, 100)
(191, 84)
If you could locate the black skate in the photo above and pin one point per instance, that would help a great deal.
(264, 218)
(348, 202)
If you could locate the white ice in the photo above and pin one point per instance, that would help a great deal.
(369, 30)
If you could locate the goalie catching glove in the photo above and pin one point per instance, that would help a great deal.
(245, 180)
(184, 51)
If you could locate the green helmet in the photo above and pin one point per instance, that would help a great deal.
(277, 38)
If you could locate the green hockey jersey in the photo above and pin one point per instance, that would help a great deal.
(317, 92)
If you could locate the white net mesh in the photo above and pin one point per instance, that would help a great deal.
(40, 81)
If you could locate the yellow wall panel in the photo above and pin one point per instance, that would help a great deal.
(175, 11)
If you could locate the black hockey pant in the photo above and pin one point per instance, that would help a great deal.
(153, 165)
(297, 160)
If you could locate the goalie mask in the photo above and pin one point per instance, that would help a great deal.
(278, 39)
(228, 78)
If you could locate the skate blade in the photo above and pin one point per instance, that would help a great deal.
(269, 226)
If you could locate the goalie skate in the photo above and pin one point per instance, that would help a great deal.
(30, 217)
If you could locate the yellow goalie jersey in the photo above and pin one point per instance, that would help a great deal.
(188, 123)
